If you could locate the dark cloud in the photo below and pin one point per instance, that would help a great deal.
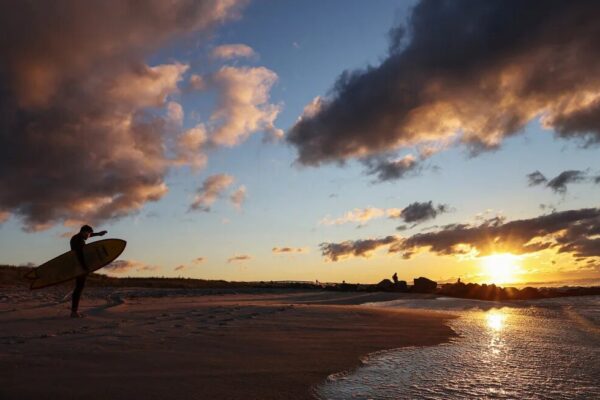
(574, 232)
(392, 169)
(356, 248)
(83, 119)
(567, 231)
(560, 182)
(464, 72)
(536, 178)
(283, 250)
(239, 258)
(550, 207)
(419, 212)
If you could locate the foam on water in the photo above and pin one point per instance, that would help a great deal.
(545, 349)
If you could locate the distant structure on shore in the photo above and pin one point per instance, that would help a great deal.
(12, 276)
(493, 292)
(468, 290)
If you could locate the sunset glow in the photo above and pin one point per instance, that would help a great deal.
(501, 268)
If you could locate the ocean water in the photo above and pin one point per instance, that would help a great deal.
(543, 349)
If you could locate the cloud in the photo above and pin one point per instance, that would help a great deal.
(419, 212)
(238, 258)
(284, 250)
(243, 105)
(238, 197)
(559, 183)
(196, 82)
(394, 169)
(211, 189)
(230, 51)
(485, 71)
(413, 213)
(175, 113)
(196, 261)
(122, 266)
(536, 178)
(360, 215)
(356, 248)
(190, 147)
(573, 231)
(83, 117)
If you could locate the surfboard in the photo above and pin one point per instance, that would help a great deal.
(66, 266)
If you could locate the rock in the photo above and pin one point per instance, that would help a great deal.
(385, 286)
(400, 286)
(424, 285)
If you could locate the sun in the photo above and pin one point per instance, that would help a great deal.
(501, 268)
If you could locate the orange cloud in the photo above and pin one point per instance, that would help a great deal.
(571, 232)
(79, 95)
(243, 106)
(229, 51)
(122, 266)
(211, 189)
(360, 215)
(479, 77)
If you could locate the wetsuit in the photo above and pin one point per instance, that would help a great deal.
(77, 243)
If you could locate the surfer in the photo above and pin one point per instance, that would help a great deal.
(77, 243)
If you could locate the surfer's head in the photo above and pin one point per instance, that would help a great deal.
(86, 231)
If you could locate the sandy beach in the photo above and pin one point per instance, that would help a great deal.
(185, 344)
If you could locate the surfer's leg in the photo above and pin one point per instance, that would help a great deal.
(79, 283)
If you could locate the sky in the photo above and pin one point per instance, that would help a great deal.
(330, 140)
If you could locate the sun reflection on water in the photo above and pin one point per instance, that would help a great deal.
(495, 320)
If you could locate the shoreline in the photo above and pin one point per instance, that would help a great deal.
(230, 346)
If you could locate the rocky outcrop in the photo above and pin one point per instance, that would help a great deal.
(424, 285)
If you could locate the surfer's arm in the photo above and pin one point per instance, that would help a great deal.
(101, 233)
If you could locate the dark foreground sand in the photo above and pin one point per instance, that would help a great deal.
(158, 344)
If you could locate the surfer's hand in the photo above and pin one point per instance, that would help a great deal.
(102, 233)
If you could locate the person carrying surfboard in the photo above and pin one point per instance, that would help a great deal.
(77, 242)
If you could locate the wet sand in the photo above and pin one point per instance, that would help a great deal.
(170, 344)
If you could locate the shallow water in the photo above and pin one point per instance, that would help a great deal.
(545, 349)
